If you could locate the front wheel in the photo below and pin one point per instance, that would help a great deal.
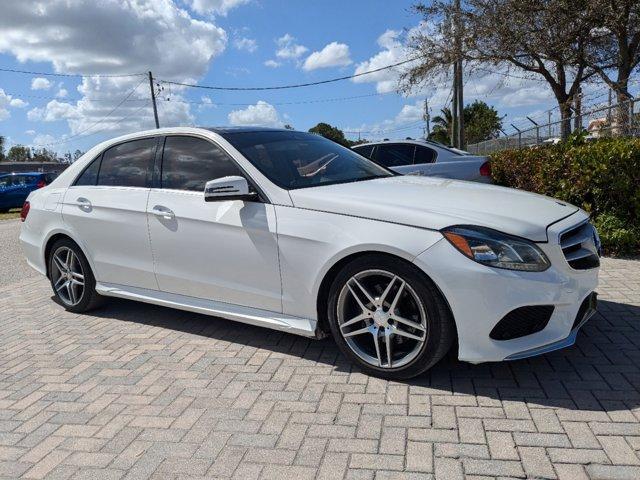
(388, 317)
(71, 277)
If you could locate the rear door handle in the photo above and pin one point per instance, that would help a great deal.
(83, 203)
(164, 212)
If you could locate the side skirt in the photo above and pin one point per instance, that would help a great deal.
(238, 313)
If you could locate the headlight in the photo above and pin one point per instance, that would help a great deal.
(496, 249)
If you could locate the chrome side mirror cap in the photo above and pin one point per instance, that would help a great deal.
(228, 188)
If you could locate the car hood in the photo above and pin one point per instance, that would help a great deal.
(436, 203)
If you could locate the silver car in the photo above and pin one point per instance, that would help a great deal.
(423, 157)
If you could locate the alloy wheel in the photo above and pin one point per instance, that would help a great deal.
(67, 276)
(381, 319)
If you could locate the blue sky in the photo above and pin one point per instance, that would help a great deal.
(220, 42)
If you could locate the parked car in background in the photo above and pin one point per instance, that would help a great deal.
(291, 231)
(423, 157)
(16, 187)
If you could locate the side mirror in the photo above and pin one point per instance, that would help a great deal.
(228, 188)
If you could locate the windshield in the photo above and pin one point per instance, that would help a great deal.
(297, 160)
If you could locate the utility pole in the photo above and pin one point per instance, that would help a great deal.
(427, 118)
(153, 100)
(454, 107)
(577, 106)
(460, 140)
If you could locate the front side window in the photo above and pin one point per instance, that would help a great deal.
(188, 163)
(395, 155)
(297, 160)
(127, 164)
(6, 181)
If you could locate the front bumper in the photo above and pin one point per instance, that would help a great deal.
(479, 296)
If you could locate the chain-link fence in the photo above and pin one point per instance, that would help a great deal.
(606, 121)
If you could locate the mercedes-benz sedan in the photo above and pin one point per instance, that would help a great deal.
(290, 231)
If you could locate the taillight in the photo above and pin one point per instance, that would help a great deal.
(25, 211)
(41, 183)
(485, 169)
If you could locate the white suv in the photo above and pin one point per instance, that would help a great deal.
(290, 231)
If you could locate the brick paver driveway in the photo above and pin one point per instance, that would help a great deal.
(136, 391)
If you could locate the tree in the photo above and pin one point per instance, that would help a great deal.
(614, 52)
(330, 132)
(543, 39)
(442, 127)
(1, 148)
(288, 126)
(44, 155)
(482, 122)
(19, 153)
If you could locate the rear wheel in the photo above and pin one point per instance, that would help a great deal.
(71, 278)
(388, 317)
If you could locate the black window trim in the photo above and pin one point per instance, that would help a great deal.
(157, 171)
(99, 157)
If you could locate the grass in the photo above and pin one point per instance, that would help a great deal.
(13, 213)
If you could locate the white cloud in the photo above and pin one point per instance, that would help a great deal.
(40, 83)
(220, 7)
(272, 64)
(392, 52)
(30, 132)
(246, 44)
(8, 101)
(62, 93)
(288, 49)
(261, 114)
(151, 35)
(332, 55)
(43, 139)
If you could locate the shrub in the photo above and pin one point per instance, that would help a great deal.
(602, 177)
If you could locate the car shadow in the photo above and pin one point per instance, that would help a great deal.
(601, 372)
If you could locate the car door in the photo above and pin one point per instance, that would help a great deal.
(396, 156)
(223, 250)
(106, 210)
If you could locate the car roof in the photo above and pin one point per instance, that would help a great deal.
(245, 129)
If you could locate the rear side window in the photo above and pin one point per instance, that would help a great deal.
(424, 155)
(365, 150)
(127, 164)
(395, 155)
(90, 174)
(188, 163)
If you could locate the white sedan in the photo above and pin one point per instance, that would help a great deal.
(290, 231)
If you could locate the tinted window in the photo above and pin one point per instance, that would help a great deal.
(5, 181)
(395, 155)
(127, 164)
(298, 160)
(90, 174)
(364, 150)
(188, 163)
(424, 155)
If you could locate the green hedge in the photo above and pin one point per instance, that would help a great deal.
(602, 177)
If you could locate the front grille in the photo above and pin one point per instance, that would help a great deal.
(580, 246)
(521, 322)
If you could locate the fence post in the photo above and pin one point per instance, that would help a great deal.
(519, 135)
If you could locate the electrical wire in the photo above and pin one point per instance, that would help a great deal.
(49, 74)
(283, 87)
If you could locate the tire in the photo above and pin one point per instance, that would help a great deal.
(65, 282)
(422, 336)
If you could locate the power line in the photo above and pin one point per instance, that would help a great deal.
(283, 87)
(300, 102)
(78, 134)
(49, 74)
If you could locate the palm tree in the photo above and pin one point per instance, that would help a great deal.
(442, 125)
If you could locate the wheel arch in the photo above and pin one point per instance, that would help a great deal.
(53, 238)
(322, 298)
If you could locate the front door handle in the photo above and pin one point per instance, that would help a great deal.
(164, 212)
